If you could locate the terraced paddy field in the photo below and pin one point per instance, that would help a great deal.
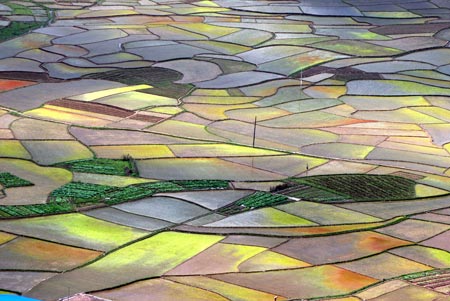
(225, 150)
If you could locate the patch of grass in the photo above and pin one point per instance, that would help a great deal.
(9, 180)
(352, 187)
(257, 200)
(16, 28)
(20, 9)
(123, 167)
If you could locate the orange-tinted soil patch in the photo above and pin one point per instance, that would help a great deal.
(33, 254)
(11, 84)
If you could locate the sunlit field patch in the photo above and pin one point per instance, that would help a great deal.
(108, 92)
(147, 258)
(13, 149)
(429, 256)
(266, 217)
(74, 229)
(226, 258)
(109, 180)
(5, 237)
(135, 151)
(56, 114)
(268, 260)
(218, 150)
(32, 254)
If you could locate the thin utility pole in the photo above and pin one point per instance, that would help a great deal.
(254, 132)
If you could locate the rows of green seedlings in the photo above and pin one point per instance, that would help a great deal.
(124, 167)
(35, 209)
(136, 192)
(318, 195)
(9, 180)
(257, 200)
(357, 187)
(81, 193)
(202, 184)
(75, 194)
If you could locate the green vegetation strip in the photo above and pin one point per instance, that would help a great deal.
(16, 28)
(35, 210)
(424, 274)
(124, 167)
(77, 194)
(257, 200)
(9, 180)
(352, 187)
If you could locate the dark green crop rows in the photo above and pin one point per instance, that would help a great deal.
(81, 193)
(257, 200)
(202, 184)
(103, 166)
(355, 187)
(35, 210)
(318, 195)
(9, 180)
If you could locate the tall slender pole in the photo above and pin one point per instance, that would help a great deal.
(254, 133)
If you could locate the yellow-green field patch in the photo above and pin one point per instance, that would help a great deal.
(74, 229)
(13, 149)
(218, 150)
(135, 151)
(147, 258)
(226, 258)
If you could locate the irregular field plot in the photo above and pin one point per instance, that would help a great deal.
(385, 266)
(228, 290)
(302, 283)
(74, 229)
(363, 187)
(22, 281)
(135, 151)
(211, 199)
(325, 214)
(172, 210)
(414, 230)
(144, 259)
(128, 219)
(338, 248)
(429, 256)
(159, 289)
(51, 152)
(32, 254)
(265, 217)
(200, 168)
